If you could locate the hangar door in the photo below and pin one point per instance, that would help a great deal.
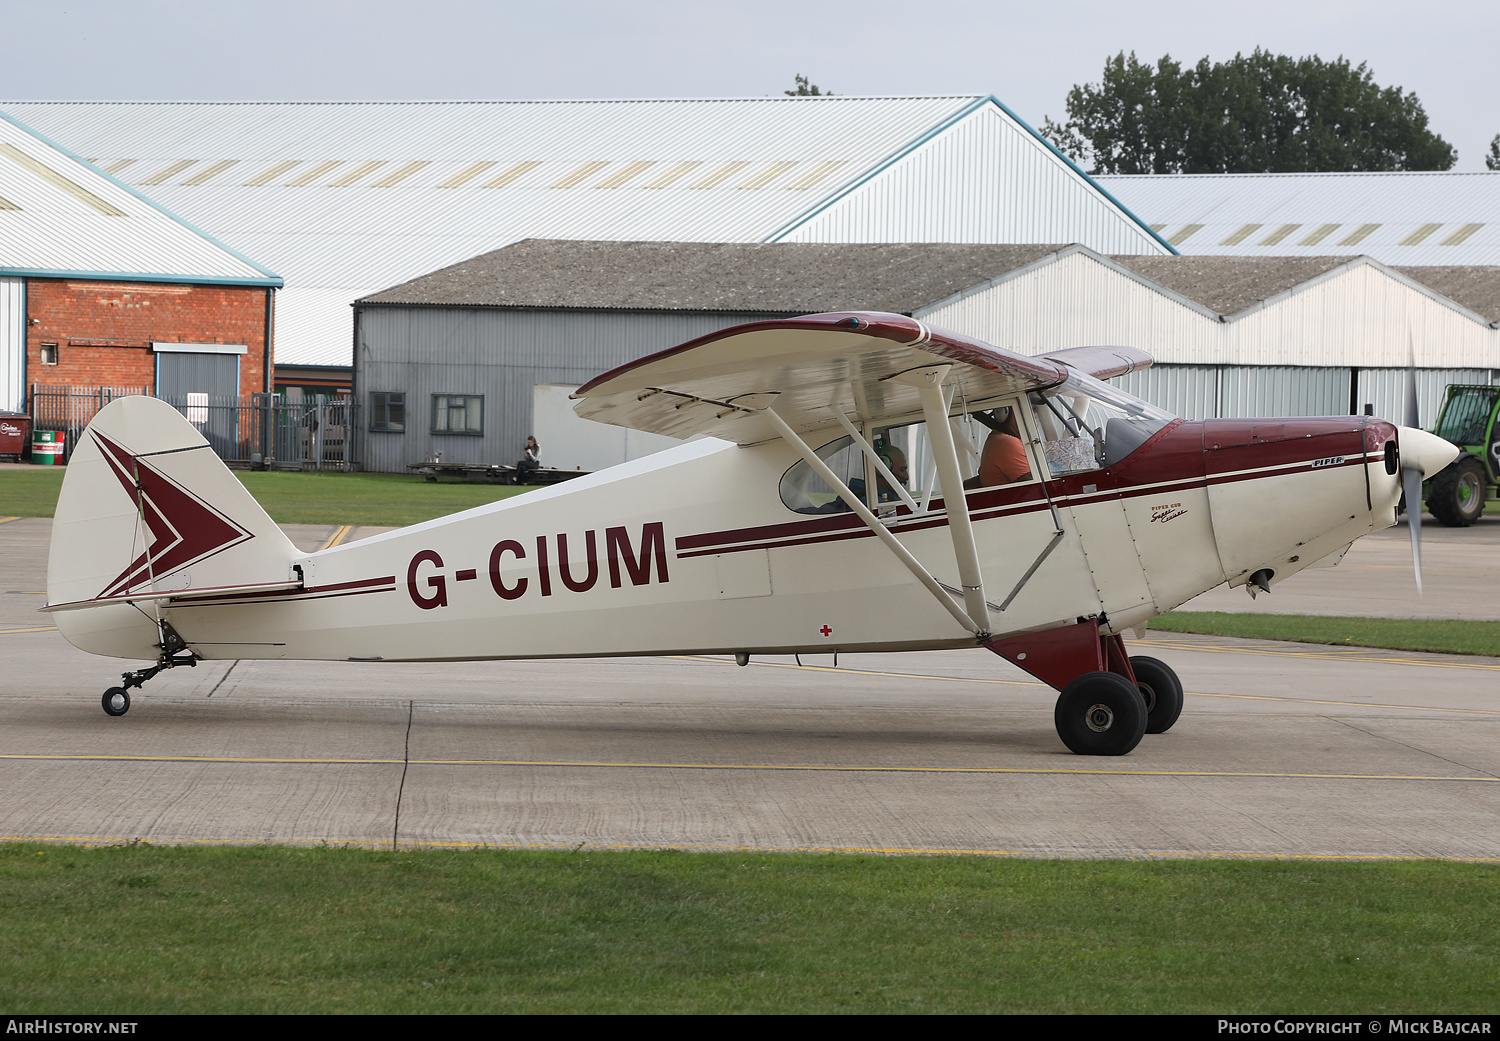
(203, 382)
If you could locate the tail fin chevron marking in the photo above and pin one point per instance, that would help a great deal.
(184, 529)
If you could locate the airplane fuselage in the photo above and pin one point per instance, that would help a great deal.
(694, 551)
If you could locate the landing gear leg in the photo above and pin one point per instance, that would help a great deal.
(1108, 700)
(174, 653)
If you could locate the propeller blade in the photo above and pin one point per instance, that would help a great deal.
(1411, 483)
(1409, 413)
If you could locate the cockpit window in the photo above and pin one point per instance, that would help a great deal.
(1086, 424)
(804, 491)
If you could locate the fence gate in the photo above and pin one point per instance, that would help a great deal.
(258, 428)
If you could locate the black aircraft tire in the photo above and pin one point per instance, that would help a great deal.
(1457, 499)
(1100, 713)
(116, 701)
(1162, 691)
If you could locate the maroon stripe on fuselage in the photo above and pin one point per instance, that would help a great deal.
(1178, 457)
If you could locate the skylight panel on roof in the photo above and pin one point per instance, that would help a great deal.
(515, 173)
(205, 175)
(1246, 230)
(306, 177)
(1279, 234)
(1318, 234)
(394, 178)
(362, 170)
(1461, 234)
(6, 204)
(170, 171)
(581, 174)
(816, 174)
(1187, 232)
(1416, 237)
(768, 175)
(118, 165)
(720, 175)
(467, 174)
(632, 170)
(677, 172)
(1358, 235)
(270, 174)
(56, 179)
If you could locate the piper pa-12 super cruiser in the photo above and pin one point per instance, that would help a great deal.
(851, 482)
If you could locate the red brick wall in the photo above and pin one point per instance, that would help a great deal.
(104, 330)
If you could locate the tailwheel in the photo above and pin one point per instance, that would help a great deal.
(1100, 713)
(1162, 691)
(116, 701)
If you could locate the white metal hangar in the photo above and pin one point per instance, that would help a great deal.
(1405, 218)
(346, 199)
(101, 286)
(470, 359)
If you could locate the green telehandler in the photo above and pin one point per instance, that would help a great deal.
(1455, 495)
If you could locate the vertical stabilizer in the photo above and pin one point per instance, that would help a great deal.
(147, 508)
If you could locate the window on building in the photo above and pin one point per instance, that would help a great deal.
(388, 411)
(49, 354)
(457, 414)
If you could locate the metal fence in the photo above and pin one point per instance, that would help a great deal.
(257, 429)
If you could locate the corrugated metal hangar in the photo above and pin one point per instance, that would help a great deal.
(346, 199)
(100, 287)
(469, 360)
(1405, 218)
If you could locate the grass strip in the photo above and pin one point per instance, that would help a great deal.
(274, 929)
(1435, 635)
(309, 497)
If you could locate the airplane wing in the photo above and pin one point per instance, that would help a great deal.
(1101, 362)
(807, 367)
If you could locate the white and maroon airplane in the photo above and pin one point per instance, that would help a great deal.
(834, 499)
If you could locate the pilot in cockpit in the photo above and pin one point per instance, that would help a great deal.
(894, 460)
(1003, 458)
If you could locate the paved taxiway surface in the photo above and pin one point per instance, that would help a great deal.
(1288, 749)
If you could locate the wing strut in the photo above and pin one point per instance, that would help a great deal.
(873, 523)
(928, 382)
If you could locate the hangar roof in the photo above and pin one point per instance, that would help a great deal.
(1228, 285)
(1407, 218)
(343, 199)
(804, 278)
(779, 278)
(61, 217)
(1477, 288)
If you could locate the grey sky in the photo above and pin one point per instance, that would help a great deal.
(1027, 54)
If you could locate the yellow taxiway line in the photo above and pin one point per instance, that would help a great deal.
(7, 520)
(770, 767)
(340, 533)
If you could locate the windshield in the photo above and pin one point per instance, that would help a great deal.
(1086, 424)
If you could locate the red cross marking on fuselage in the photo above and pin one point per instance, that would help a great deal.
(827, 632)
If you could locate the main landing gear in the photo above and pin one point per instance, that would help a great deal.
(174, 653)
(1106, 709)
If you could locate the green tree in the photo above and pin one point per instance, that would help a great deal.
(807, 90)
(1492, 161)
(1264, 113)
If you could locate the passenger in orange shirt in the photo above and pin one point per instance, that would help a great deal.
(1003, 458)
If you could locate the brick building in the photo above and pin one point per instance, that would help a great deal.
(102, 291)
(124, 334)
